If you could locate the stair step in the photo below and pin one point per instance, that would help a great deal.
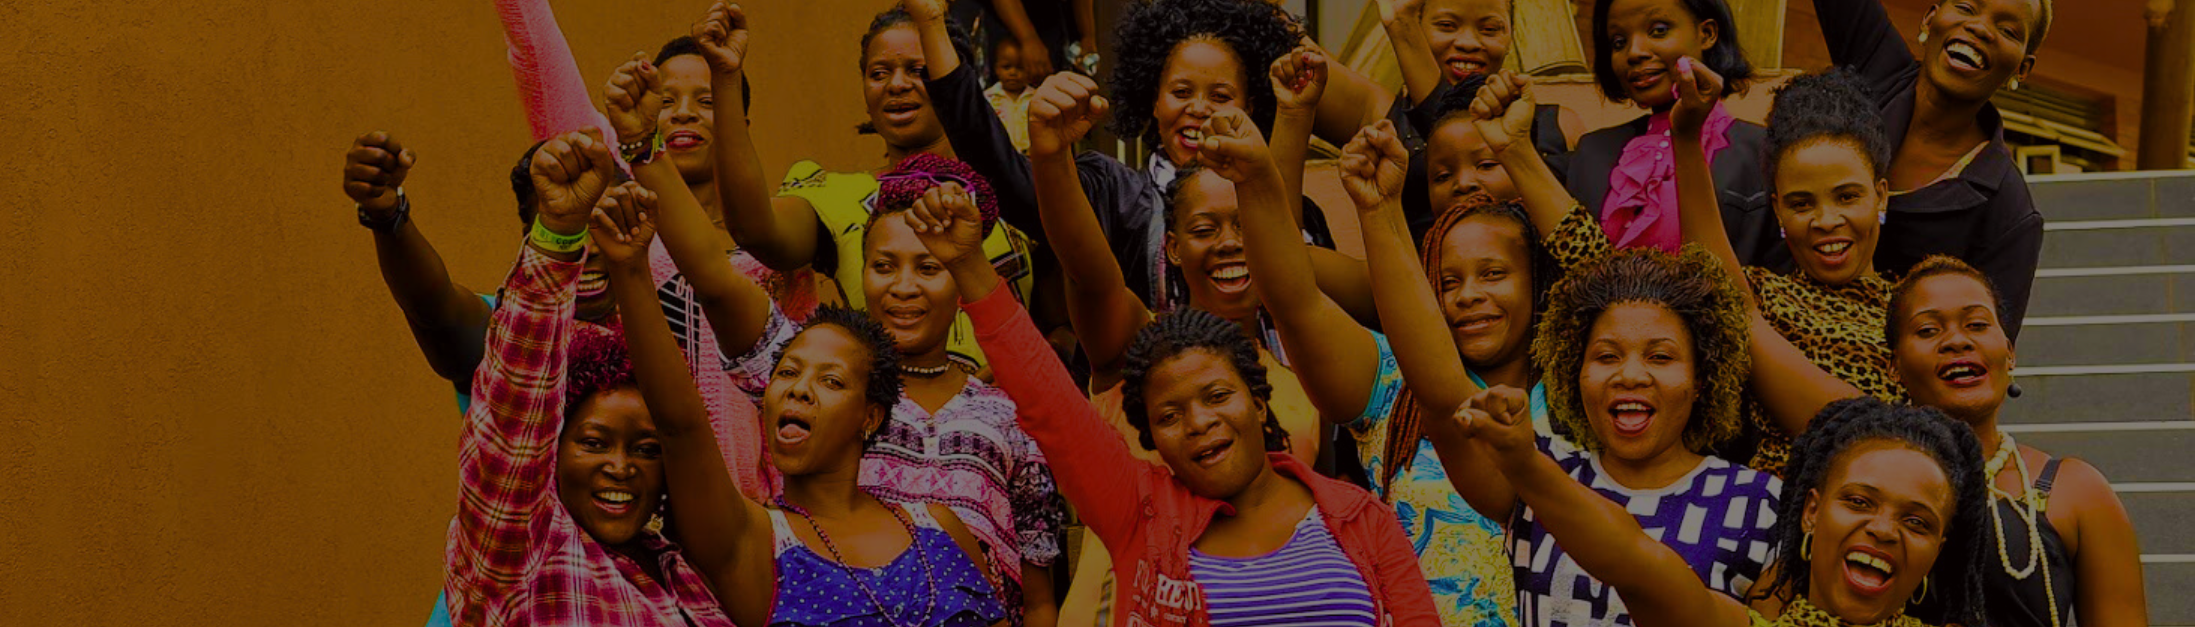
(2114, 196)
(2056, 295)
(2111, 342)
(2167, 584)
(2126, 456)
(2160, 520)
(2101, 398)
(2094, 244)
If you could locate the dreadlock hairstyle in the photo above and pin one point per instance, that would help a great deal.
(1403, 428)
(1692, 285)
(595, 362)
(963, 45)
(1256, 32)
(685, 45)
(1726, 57)
(884, 382)
(898, 189)
(1901, 294)
(1824, 107)
(1186, 329)
(1957, 576)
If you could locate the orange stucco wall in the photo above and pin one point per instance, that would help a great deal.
(210, 409)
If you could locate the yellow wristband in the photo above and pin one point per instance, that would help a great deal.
(553, 241)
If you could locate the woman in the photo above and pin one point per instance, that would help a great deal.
(1622, 174)
(561, 464)
(830, 391)
(2066, 548)
(951, 439)
(1883, 506)
(1198, 536)
(1955, 187)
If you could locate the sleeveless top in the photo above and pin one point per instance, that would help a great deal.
(812, 590)
(1308, 581)
(2024, 602)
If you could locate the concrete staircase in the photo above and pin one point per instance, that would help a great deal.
(2107, 357)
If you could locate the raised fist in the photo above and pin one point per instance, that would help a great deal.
(1299, 77)
(925, 10)
(624, 223)
(374, 168)
(1065, 108)
(1232, 147)
(1698, 89)
(722, 34)
(1504, 110)
(1374, 166)
(947, 221)
(633, 98)
(570, 172)
(1501, 418)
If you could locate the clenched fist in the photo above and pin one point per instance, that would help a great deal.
(374, 168)
(1504, 111)
(722, 34)
(1063, 111)
(1374, 166)
(1232, 147)
(633, 98)
(570, 172)
(624, 224)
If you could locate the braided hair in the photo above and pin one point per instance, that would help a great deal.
(1186, 329)
(1957, 575)
(884, 381)
(1403, 428)
(1691, 285)
(1826, 106)
(1256, 32)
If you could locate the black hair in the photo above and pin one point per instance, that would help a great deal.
(1455, 104)
(522, 183)
(884, 381)
(1726, 57)
(1956, 580)
(1901, 294)
(2044, 15)
(1826, 106)
(1257, 33)
(1693, 286)
(685, 45)
(1173, 192)
(963, 45)
(1186, 329)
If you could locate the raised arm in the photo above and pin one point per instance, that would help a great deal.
(1086, 454)
(1404, 21)
(1657, 586)
(449, 323)
(727, 535)
(979, 138)
(549, 81)
(737, 309)
(1352, 102)
(1504, 109)
(781, 231)
(1790, 386)
(1105, 313)
(1036, 58)
(1859, 34)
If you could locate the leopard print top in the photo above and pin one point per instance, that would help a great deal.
(1840, 329)
(1800, 613)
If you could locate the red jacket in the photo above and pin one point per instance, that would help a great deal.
(1147, 518)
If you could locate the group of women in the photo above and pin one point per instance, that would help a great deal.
(1684, 370)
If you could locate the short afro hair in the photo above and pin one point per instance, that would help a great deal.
(1183, 330)
(1956, 596)
(1901, 294)
(595, 362)
(686, 45)
(884, 381)
(1726, 57)
(1826, 106)
(1692, 285)
(1256, 32)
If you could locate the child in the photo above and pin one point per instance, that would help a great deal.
(1010, 95)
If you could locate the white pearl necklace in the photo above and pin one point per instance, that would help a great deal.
(2007, 450)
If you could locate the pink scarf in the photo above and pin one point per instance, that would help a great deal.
(1641, 207)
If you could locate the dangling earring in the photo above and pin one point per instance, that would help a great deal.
(2015, 84)
(1924, 36)
(1920, 597)
(1806, 547)
(1882, 217)
(1780, 234)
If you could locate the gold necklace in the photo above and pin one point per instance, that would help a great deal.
(2007, 450)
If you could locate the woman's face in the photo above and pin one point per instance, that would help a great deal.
(1975, 46)
(891, 80)
(816, 402)
(1485, 286)
(1878, 523)
(609, 466)
(1468, 36)
(1637, 380)
(1951, 354)
(688, 118)
(1202, 76)
(1459, 165)
(1830, 205)
(907, 289)
(1206, 423)
(1646, 37)
(1206, 244)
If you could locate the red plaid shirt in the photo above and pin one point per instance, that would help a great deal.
(515, 557)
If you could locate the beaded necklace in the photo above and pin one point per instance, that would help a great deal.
(2007, 450)
(914, 543)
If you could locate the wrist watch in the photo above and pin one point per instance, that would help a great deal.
(386, 222)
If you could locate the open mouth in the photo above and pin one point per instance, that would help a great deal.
(905, 315)
(1463, 66)
(592, 284)
(1963, 373)
(1190, 139)
(683, 140)
(1475, 324)
(902, 111)
(614, 502)
(1631, 417)
(792, 430)
(1833, 251)
(1965, 57)
(1644, 80)
(1868, 571)
(1231, 277)
(1214, 453)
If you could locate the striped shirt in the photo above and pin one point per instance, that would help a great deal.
(1307, 582)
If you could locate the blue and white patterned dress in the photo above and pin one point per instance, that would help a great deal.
(1717, 517)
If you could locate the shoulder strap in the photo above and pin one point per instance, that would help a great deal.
(919, 514)
(2044, 481)
(781, 531)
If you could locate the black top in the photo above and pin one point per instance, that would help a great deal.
(1413, 125)
(1985, 215)
(1742, 183)
(2022, 602)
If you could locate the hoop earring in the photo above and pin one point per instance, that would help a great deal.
(1922, 596)
(1806, 547)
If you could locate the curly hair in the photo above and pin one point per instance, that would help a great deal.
(1726, 57)
(884, 382)
(1692, 285)
(1901, 294)
(594, 362)
(1403, 427)
(1182, 330)
(963, 45)
(1826, 106)
(1957, 576)
(686, 45)
(1256, 32)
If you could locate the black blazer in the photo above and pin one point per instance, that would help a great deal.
(1742, 183)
